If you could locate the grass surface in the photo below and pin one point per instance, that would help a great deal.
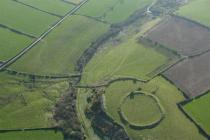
(144, 107)
(113, 11)
(124, 58)
(60, 50)
(27, 105)
(53, 6)
(11, 43)
(175, 125)
(32, 135)
(25, 18)
(196, 10)
(127, 59)
(199, 110)
(74, 1)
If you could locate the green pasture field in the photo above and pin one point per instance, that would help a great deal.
(129, 59)
(199, 110)
(11, 43)
(24, 104)
(32, 135)
(175, 126)
(53, 6)
(141, 109)
(196, 10)
(96, 8)
(124, 9)
(60, 50)
(113, 11)
(24, 18)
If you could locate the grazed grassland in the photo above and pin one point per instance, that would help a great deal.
(60, 50)
(27, 104)
(198, 109)
(11, 43)
(113, 11)
(25, 18)
(53, 6)
(31, 135)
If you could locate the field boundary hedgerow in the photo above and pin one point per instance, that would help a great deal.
(55, 129)
(108, 83)
(72, 3)
(25, 50)
(50, 76)
(93, 18)
(190, 20)
(28, 129)
(200, 128)
(90, 51)
(176, 58)
(53, 14)
(16, 31)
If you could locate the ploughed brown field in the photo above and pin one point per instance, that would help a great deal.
(191, 75)
(183, 36)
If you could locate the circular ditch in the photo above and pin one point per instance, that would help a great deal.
(141, 110)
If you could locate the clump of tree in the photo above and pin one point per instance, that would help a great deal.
(103, 125)
(165, 7)
(88, 53)
(66, 117)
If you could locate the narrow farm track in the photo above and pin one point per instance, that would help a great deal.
(25, 50)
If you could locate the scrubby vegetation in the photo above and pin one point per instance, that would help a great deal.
(66, 116)
(103, 124)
